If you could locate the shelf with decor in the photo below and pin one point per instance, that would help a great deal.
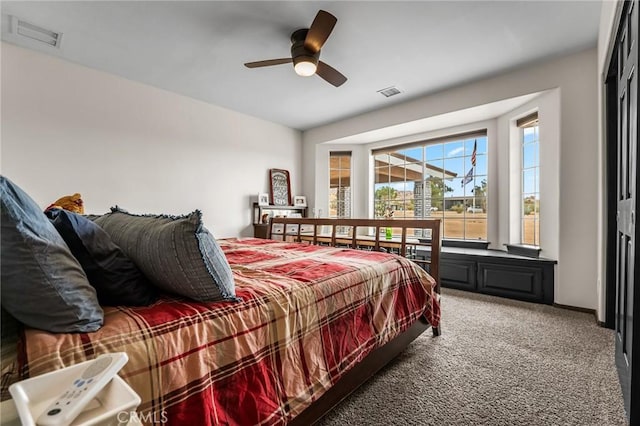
(263, 214)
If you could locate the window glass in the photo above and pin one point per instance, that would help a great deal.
(340, 183)
(443, 180)
(530, 200)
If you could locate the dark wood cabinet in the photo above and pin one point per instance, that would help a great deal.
(497, 273)
(261, 228)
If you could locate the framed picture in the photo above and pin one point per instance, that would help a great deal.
(263, 199)
(300, 201)
(280, 187)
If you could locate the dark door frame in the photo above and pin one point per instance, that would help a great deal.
(610, 149)
(632, 384)
(611, 117)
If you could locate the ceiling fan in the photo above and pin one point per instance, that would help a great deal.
(305, 51)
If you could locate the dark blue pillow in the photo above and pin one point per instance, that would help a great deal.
(117, 280)
(43, 285)
(10, 327)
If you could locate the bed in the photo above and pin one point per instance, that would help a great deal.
(314, 323)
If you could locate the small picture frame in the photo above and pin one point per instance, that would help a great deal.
(263, 199)
(300, 201)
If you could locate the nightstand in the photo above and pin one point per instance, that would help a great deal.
(9, 415)
(261, 230)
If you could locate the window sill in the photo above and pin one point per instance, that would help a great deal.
(523, 250)
(480, 245)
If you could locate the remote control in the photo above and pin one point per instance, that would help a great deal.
(84, 388)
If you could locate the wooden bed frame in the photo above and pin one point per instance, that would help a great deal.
(366, 234)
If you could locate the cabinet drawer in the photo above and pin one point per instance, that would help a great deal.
(519, 282)
(460, 274)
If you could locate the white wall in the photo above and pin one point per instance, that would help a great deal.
(68, 128)
(574, 76)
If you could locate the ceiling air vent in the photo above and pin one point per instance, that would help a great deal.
(389, 91)
(24, 29)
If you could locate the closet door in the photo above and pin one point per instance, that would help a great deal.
(627, 291)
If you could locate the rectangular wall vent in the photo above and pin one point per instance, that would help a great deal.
(24, 29)
(389, 91)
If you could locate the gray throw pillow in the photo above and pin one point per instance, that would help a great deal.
(43, 285)
(176, 253)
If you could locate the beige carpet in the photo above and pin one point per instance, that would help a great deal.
(498, 362)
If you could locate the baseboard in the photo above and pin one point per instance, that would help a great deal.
(578, 309)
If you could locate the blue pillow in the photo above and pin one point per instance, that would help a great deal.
(117, 280)
(43, 285)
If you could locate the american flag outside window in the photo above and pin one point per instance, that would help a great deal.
(469, 176)
(473, 155)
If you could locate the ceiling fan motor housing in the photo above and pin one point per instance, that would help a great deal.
(298, 52)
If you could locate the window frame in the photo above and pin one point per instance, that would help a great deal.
(529, 121)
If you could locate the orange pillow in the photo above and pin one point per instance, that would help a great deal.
(72, 203)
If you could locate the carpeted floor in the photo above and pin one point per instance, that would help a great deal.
(497, 362)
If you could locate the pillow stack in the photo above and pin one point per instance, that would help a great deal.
(43, 285)
(58, 268)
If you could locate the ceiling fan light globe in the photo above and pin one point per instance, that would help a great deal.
(305, 68)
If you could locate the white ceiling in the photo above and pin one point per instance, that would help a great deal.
(198, 48)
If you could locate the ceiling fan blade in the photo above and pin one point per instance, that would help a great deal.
(268, 63)
(319, 31)
(330, 74)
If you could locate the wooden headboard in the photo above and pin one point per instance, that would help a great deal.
(416, 239)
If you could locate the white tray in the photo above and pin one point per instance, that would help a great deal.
(111, 406)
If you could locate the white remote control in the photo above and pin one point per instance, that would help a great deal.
(71, 402)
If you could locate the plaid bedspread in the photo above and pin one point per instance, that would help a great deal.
(308, 314)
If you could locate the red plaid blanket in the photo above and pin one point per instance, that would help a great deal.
(308, 314)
